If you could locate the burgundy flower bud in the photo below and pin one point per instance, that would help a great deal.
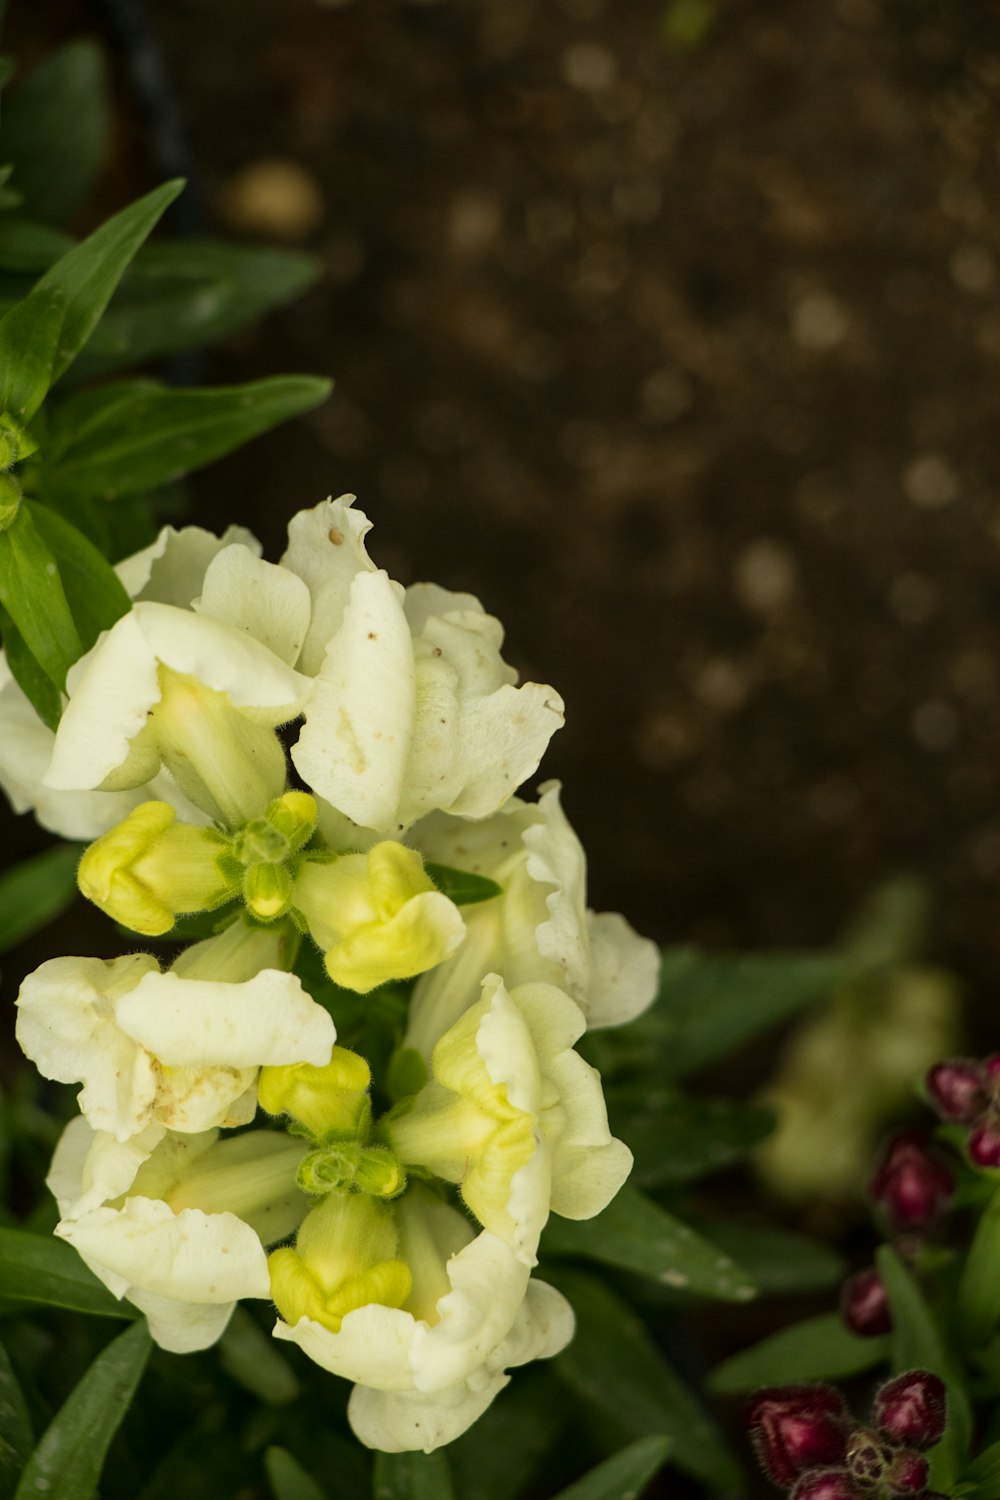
(910, 1185)
(797, 1427)
(908, 1473)
(827, 1484)
(912, 1409)
(958, 1089)
(864, 1305)
(866, 1457)
(984, 1144)
(991, 1067)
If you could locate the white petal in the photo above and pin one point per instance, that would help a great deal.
(556, 859)
(625, 971)
(181, 1327)
(266, 602)
(89, 1167)
(588, 1177)
(190, 1256)
(354, 745)
(400, 1422)
(487, 1289)
(326, 550)
(424, 600)
(225, 659)
(191, 1023)
(373, 1345)
(171, 569)
(112, 689)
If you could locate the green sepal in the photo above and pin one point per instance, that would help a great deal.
(462, 887)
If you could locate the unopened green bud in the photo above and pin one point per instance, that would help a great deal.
(267, 891)
(150, 869)
(15, 441)
(331, 1168)
(379, 1173)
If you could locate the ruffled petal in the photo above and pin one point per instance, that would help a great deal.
(171, 569)
(182, 1327)
(625, 971)
(264, 601)
(326, 550)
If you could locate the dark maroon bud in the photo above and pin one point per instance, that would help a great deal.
(984, 1145)
(912, 1409)
(797, 1427)
(866, 1457)
(827, 1484)
(991, 1067)
(864, 1305)
(908, 1473)
(910, 1185)
(958, 1089)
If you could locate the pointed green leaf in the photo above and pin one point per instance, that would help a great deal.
(29, 342)
(93, 589)
(638, 1235)
(33, 595)
(916, 1343)
(36, 684)
(981, 1480)
(157, 436)
(186, 295)
(39, 1268)
(412, 1476)
(288, 1479)
(623, 1476)
(35, 891)
(711, 1004)
(778, 1261)
(616, 1369)
(677, 1138)
(820, 1348)
(460, 886)
(54, 129)
(89, 273)
(16, 1436)
(67, 1463)
(251, 1358)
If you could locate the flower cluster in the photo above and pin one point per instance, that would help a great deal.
(808, 1443)
(966, 1091)
(228, 1145)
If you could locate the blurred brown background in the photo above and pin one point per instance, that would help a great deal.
(672, 330)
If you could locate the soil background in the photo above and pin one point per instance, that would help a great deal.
(673, 332)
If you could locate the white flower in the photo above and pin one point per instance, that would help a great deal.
(186, 1241)
(153, 1049)
(413, 707)
(422, 1315)
(514, 1116)
(538, 928)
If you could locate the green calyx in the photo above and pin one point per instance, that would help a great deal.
(347, 1165)
(266, 848)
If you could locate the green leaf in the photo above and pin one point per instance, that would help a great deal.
(89, 273)
(30, 248)
(251, 1358)
(94, 591)
(33, 595)
(916, 1343)
(503, 1452)
(778, 1261)
(36, 685)
(288, 1479)
(36, 891)
(39, 1268)
(709, 1005)
(977, 1307)
(185, 295)
(616, 1369)
(462, 887)
(624, 1475)
(67, 1463)
(29, 343)
(677, 1138)
(820, 1348)
(412, 1476)
(54, 129)
(16, 1436)
(638, 1235)
(154, 436)
(983, 1474)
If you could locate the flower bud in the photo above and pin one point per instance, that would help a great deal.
(866, 1458)
(332, 1099)
(827, 1484)
(910, 1185)
(267, 891)
(864, 1305)
(908, 1473)
(150, 869)
(797, 1427)
(912, 1409)
(957, 1089)
(984, 1144)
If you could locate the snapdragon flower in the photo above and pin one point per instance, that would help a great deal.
(538, 928)
(178, 1050)
(177, 1224)
(514, 1116)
